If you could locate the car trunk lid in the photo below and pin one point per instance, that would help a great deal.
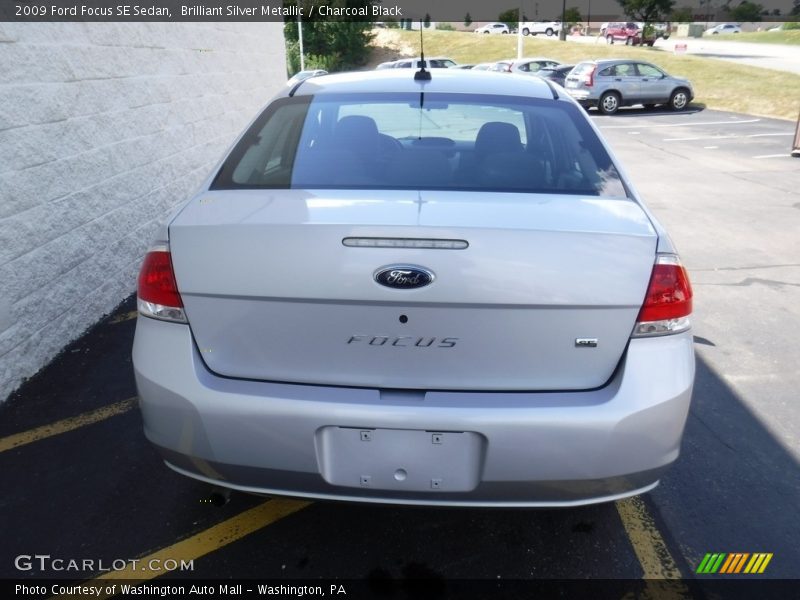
(544, 296)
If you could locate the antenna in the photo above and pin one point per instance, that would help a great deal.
(422, 74)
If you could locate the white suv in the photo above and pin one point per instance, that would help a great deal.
(549, 28)
(493, 28)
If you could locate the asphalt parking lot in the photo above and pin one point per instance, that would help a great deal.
(81, 482)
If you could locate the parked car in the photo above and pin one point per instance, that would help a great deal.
(303, 75)
(556, 74)
(633, 34)
(723, 28)
(486, 66)
(492, 28)
(472, 308)
(612, 83)
(527, 66)
(437, 62)
(662, 30)
(464, 66)
(548, 28)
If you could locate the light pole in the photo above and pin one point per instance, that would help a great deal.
(589, 19)
(562, 32)
(300, 39)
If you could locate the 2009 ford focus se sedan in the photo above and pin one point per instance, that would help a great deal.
(438, 292)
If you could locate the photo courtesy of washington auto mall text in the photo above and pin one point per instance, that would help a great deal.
(122, 589)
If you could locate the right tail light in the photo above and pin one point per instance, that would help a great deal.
(668, 301)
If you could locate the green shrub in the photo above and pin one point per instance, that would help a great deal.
(329, 45)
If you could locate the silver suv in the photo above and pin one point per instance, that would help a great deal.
(609, 84)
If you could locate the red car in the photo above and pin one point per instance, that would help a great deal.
(629, 32)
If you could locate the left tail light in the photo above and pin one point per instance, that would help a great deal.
(588, 78)
(157, 293)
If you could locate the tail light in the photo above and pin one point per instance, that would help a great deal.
(157, 293)
(668, 301)
(588, 78)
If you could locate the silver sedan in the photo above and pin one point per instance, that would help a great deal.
(435, 291)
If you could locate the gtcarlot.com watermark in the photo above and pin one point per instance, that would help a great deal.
(45, 563)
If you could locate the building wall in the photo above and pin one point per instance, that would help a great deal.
(104, 128)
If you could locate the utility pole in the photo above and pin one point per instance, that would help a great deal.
(589, 19)
(519, 31)
(300, 39)
(562, 32)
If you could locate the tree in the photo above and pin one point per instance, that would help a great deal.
(572, 16)
(646, 11)
(795, 8)
(427, 21)
(510, 17)
(747, 11)
(331, 45)
(468, 19)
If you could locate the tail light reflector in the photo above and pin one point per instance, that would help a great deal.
(157, 293)
(588, 78)
(668, 301)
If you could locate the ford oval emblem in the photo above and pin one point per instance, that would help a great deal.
(403, 277)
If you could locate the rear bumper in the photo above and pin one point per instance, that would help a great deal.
(582, 97)
(518, 449)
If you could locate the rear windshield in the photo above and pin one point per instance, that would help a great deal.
(422, 141)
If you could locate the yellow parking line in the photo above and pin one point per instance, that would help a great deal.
(649, 546)
(59, 427)
(206, 541)
(124, 317)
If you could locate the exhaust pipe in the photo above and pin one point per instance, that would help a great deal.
(219, 496)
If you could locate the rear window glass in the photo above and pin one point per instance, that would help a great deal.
(415, 141)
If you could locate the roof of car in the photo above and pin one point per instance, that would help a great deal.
(458, 81)
(608, 61)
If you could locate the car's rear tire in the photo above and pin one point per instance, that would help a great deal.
(504, 32)
(679, 99)
(609, 103)
(609, 39)
(549, 31)
(526, 31)
(629, 41)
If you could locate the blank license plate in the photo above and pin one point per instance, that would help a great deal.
(401, 459)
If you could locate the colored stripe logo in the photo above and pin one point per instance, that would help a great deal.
(737, 562)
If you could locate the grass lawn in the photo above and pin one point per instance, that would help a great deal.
(790, 37)
(718, 84)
